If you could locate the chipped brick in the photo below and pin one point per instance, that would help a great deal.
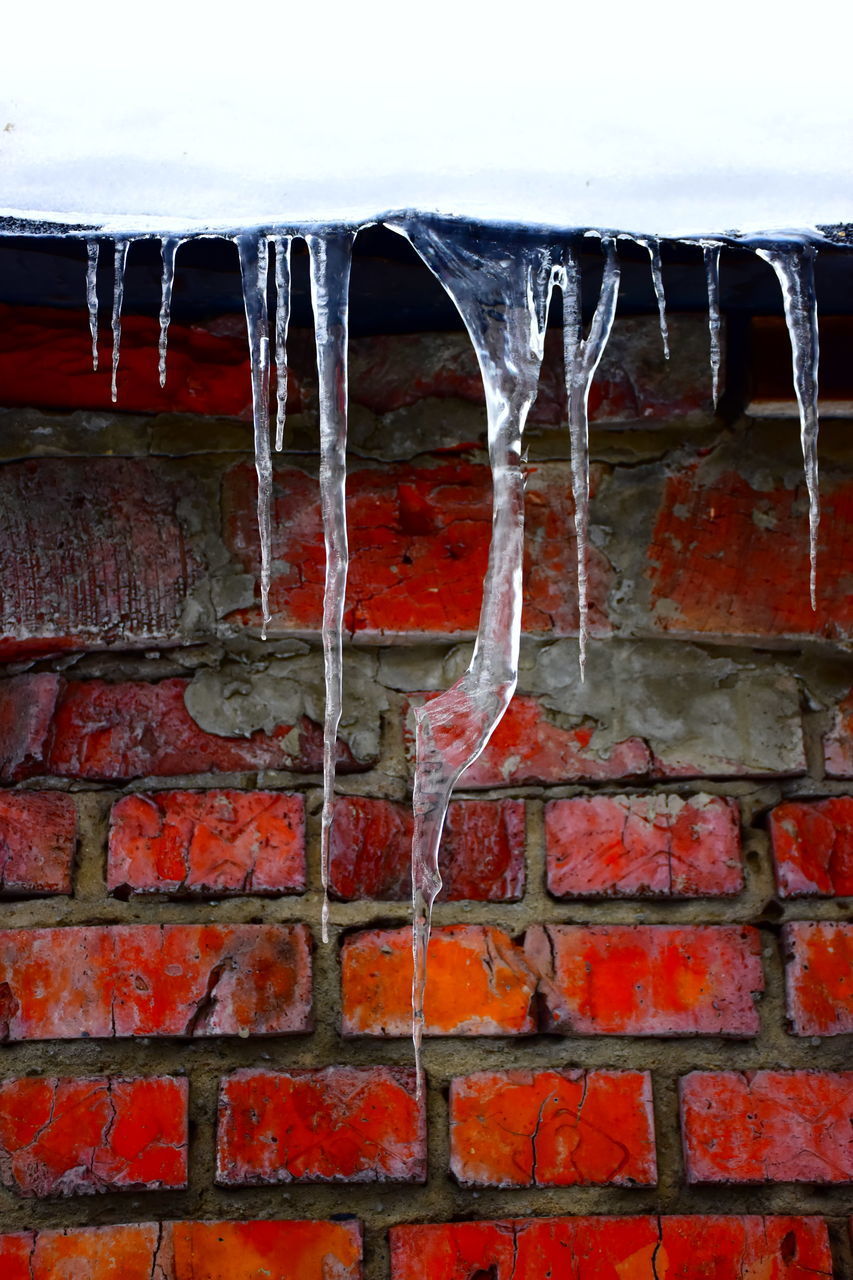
(812, 844)
(819, 977)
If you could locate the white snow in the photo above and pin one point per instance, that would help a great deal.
(656, 119)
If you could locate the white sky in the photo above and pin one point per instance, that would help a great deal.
(630, 116)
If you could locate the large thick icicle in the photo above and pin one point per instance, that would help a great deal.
(653, 249)
(169, 246)
(501, 286)
(93, 250)
(794, 267)
(582, 357)
(120, 263)
(281, 245)
(253, 252)
(331, 258)
(711, 253)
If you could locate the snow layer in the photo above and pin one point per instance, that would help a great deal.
(626, 118)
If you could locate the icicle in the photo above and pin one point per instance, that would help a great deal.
(501, 289)
(331, 256)
(253, 270)
(120, 261)
(711, 254)
(168, 251)
(282, 319)
(582, 358)
(653, 249)
(794, 267)
(93, 250)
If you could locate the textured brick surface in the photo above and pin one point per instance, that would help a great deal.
(92, 552)
(643, 846)
(482, 850)
(420, 557)
(95, 729)
(648, 979)
(552, 1128)
(38, 834)
(343, 1124)
(759, 585)
(478, 984)
(529, 747)
(64, 1137)
(767, 1126)
(209, 842)
(838, 740)
(151, 980)
(269, 1250)
(819, 977)
(812, 846)
(606, 1248)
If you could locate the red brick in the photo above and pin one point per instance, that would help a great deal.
(420, 557)
(95, 729)
(819, 977)
(643, 846)
(482, 850)
(478, 984)
(552, 1129)
(812, 846)
(150, 980)
(89, 1253)
(102, 540)
(767, 1126)
(38, 836)
(274, 1250)
(606, 1248)
(648, 980)
(67, 1137)
(341, 1124)
(208, 842)
(528, 748)
(731, 559)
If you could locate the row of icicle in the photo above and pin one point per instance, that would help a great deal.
(501, 284)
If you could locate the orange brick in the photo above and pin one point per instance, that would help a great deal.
(812, 845)
(819, 977)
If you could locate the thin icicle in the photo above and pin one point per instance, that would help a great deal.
(93, 250)
(253, 253)
(282, 319)
(794, 267)
(581, 357)
(168, 250)
(711, 254)
(653, 249)
(501, 289)
(120, 262)
(331, 258)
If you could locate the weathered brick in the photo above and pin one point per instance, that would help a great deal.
(608, 1248)
(819, 977)
(67, 1137)
(838, 740)
(97, 729)
(420, 557)
(38, 835)
(482, 850)
(552, 1128)
(93, 553)
(151, 980)
(274, 1250)
(208, 842)
(643, 846)
(767, 1126)
(529, 747)
(730, 558)
(340, 1124)
(812, 844)
(648, 980)
(478, 984)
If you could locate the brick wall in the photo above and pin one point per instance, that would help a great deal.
(640, 1000)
